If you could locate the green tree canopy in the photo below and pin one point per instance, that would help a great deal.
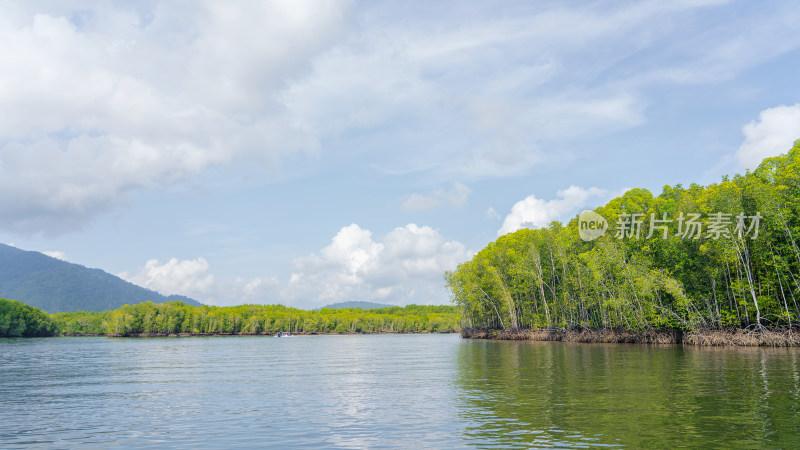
(714, 270)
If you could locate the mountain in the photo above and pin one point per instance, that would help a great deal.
(362, 305)
(59, 286)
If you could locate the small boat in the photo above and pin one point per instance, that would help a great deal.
(283, 334)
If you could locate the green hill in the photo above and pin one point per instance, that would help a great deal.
(59, 286)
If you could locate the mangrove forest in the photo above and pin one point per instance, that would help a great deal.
(178, 318)
(718, 257)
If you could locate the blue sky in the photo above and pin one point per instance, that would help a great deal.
(312, 152)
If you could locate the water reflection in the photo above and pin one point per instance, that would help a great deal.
(544, 393)
(304, 392)
(423, 391)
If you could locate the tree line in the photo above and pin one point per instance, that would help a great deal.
(20, 320)
(163, 319)
(719, 256)
(169, 318)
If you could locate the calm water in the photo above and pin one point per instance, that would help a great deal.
(391, 391)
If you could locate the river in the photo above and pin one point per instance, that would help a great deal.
(406, 391)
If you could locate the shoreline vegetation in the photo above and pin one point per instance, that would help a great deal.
(241, 333)
(702, 338)
(20, 320)
(700, 265)
(723, 268)
(150, 319)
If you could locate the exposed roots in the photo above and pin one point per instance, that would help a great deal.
(759, 337)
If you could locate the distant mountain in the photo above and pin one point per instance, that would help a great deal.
(59, 286)
(362, 305)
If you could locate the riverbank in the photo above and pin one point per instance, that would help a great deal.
(176, 318)
(299, 333)
(746, 338)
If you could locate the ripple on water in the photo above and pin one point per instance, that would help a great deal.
(391, 391)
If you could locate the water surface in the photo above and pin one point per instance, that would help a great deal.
(392, 391)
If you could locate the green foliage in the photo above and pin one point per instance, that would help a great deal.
(549, 278)
(20, 320)
(177, 317)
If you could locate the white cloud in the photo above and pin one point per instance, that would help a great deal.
(491, 214)
(259, 290)
(56, 254)
(184, 277)
(482, 95)
(405, 266)
(455, 197)
(472, 100)
(532, 212)
(99, 102)
(193, 278)
(773, 134)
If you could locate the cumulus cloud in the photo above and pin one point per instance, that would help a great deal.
(96, 103)
(259, 290)
(533, 212)
(405, 266)
(193, 278)
(187, 277)
(56, 254)
(772, 134)
(455, 197)
(100, 101)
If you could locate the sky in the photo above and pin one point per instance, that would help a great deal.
(312, 152)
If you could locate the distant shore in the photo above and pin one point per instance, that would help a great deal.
(299, 333)
(735, 337)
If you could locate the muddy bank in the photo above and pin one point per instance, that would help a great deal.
(751, 338)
